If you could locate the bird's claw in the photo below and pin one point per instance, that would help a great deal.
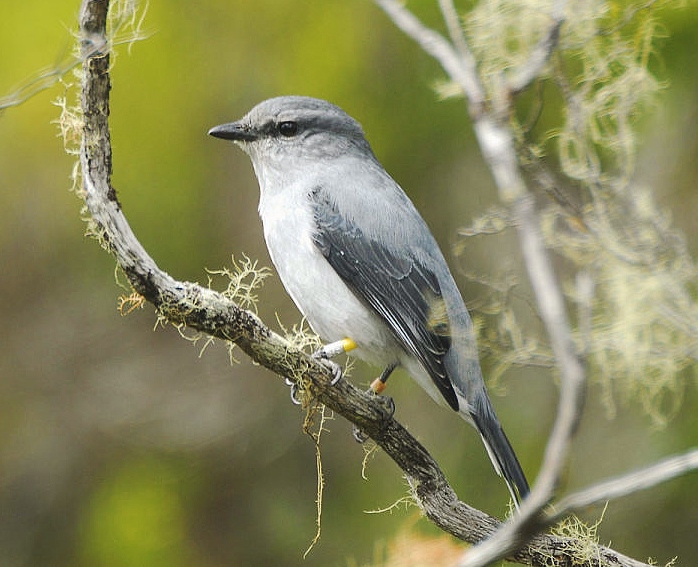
(321, 356)
(358, 434)
(387, 405)
(294, 391)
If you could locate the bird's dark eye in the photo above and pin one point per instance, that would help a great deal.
(288, 128)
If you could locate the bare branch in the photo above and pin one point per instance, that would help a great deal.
(41, 81)
(462, 69)
(626, 484)
(529, 521)
(497, 143)
(46, 78)
(455, 29)
(540, 55)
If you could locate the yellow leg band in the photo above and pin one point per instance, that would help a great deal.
(336, 348)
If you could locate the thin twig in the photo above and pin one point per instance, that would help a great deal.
(529, 521)
(461, 68)
(455, 29)
(539, 57)
(626, 484)
(50, 76)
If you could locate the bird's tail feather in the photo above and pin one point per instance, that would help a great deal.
(499, 449)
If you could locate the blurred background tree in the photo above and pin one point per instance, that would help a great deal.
(124, 445)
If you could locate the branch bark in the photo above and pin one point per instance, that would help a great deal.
(210, 312)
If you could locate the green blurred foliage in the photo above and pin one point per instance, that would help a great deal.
(136, 517)
(121, 445)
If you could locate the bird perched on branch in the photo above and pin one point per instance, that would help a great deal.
(360, 262)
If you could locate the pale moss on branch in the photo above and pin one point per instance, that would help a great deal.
(502, 34)
(300, 337)
(584, 538)
(314, 428)
(127, 304)
(604, 71)
(244, 279)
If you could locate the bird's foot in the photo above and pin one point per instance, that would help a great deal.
(326, 353)
(335, 368)
(358, 434)
(294, 391)
(386, 403)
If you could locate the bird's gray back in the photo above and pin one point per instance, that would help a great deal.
(376, 205)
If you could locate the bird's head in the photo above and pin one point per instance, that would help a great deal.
(285, 131)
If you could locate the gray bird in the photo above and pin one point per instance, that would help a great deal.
(359, 261)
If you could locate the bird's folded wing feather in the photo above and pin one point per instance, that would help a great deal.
(403, 291)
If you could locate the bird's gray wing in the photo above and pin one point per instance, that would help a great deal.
(403, 291)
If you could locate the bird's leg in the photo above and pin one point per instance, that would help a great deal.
(377, 386)
(336, 348)
(327, 352)
(324, 354)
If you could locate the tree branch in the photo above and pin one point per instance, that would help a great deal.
(497, 143)
(462, 69)
(623, 485)
(522, 78)
(455, 31)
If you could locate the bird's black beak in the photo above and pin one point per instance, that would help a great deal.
(234, 131)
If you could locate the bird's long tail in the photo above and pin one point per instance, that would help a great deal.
(498, 447)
